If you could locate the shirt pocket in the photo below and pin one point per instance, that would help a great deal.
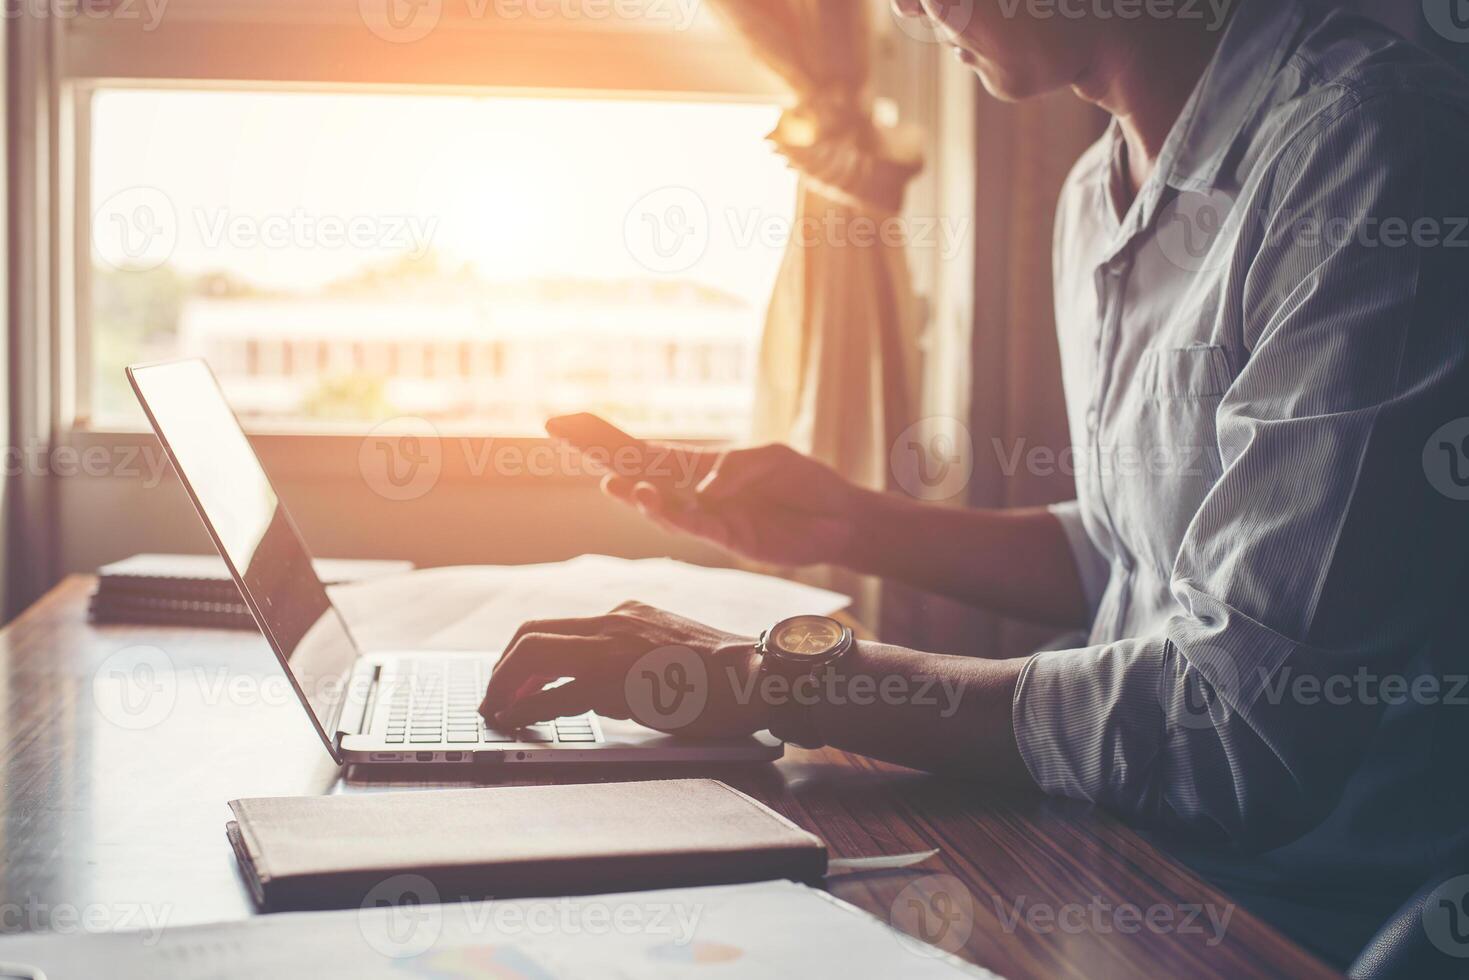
(1176, 432)
(1185, 372)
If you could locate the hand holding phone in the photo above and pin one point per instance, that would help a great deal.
(625, 461)
(768, 503)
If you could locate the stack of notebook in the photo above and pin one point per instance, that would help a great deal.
(196, 590)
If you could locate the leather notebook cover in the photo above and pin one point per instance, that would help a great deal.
(325, 852)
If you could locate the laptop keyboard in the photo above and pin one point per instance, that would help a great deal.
(433, 702)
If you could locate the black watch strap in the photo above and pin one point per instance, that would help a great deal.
(790, 704)
(791, 717)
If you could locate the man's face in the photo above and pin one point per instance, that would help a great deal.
(1017, 53)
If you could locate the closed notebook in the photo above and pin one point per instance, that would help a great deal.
(326, 852)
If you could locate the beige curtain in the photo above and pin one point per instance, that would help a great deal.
(839, 363)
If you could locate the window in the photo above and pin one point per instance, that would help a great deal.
(483, 258)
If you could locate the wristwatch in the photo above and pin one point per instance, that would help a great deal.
(796, 650)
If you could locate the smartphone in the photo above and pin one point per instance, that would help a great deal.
(611, 450)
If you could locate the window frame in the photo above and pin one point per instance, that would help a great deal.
(92, 54)
(457, 59)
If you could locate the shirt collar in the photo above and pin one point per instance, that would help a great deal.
(1256, 44)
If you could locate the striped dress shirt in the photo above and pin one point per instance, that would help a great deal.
(1266, 363)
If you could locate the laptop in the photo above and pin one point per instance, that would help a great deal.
(369, 708)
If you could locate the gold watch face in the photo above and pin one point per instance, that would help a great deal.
(807, 636)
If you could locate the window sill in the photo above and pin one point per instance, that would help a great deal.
(343, 457)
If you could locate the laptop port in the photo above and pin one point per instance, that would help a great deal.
(453, 756)
(425, 757)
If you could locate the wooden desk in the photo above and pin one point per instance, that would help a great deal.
(114, 812)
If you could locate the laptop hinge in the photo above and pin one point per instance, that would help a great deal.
(356, 703)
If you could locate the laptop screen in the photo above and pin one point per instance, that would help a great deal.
(251, 529)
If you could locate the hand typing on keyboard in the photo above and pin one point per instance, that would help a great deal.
(637, 662)
(433, 701)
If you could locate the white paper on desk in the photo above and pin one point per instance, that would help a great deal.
(766, 930)
(481, 607)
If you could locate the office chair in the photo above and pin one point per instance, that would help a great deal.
(1425, 939)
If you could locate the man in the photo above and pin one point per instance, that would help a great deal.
(1271, 411)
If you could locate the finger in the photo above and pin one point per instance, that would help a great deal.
(700, 524)
(618, 454)
(619, 487)
(683, 520)
(606, 448)
(648, 498)
(738, 471)
(571, 698)
(537, 659)
(556, 627)
(587, 431)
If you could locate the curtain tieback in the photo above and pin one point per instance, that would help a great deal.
(833, 141)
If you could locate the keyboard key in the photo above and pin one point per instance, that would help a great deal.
(577, 737)
(418, 739)
(458, 737)
(490, 735)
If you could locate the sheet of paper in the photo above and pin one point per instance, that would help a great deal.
(764, 931)
(480, 608)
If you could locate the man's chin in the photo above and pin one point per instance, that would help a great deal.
(1000, 86)
(1007, 87)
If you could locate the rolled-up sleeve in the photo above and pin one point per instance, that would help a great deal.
(1326, 548)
